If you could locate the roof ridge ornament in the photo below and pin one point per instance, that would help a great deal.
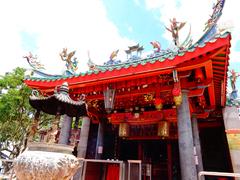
(33, 61)
(134, 52)
(71, 61)
(232, 98)
(211, 25)
(112, 59)
(175, 27)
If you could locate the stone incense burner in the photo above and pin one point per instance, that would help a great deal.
(43, 161)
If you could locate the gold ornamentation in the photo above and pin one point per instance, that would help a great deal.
(163, 129)
(114, 54)
(158, 104)
(178, 100)
(123, 130)
(148, 97)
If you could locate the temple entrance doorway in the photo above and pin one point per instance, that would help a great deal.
(159, 158)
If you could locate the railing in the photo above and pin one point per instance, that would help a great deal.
(222, 174)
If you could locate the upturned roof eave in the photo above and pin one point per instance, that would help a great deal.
(157, 64)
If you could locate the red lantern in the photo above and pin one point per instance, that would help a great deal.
(177, 94)
(158, 103)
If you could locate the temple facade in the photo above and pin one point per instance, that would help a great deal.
(164, 113)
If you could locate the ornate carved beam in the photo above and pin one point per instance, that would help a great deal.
(153, 88)
(148, 117)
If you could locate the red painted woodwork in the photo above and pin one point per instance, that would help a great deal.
(148, 117)
(196, 92)
(209, 82)
(132, 72)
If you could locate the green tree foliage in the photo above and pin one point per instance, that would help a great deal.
(16, 113)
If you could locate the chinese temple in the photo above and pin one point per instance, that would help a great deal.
(165, 110)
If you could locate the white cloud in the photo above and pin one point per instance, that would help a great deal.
(84, 25)
(77, 25)
(197, 13)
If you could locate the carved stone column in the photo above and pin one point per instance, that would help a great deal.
(99, 145)
(197, 143)
(185, 139)
(82, 145)
(65, 130)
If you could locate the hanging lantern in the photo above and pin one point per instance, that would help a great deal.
(123, 130)
(163, 129)
(177, 95)
(158, 103)
(109, 95)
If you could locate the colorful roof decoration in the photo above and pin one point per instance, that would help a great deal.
(175, 27)
(232, 98)
(211, 45)
(134, 52)
(170, 57)
(71, 61)
(33, 62)
(211, 25)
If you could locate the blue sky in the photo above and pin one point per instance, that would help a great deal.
(135, 21)
(45, 27)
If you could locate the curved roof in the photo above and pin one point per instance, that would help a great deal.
(59, 102)
(134, 68)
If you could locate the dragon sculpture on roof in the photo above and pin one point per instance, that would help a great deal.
(232, 98)
(175, 27)
(134, 53)
(211, 24)
(33, 62)
(71, 61)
